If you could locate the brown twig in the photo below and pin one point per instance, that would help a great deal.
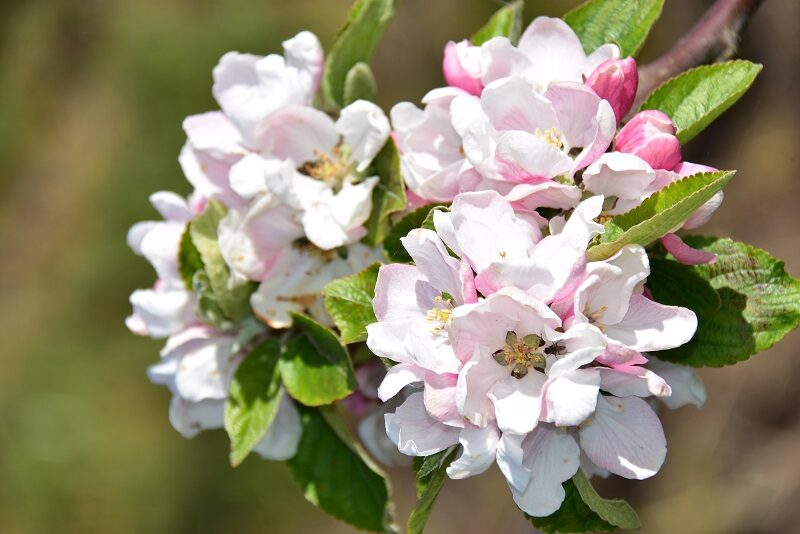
(714, 38)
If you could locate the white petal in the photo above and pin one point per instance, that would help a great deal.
(551, 458)
(687, 387)
(415, 432)
(299, 133)
(398, 377)
(479, 447)
(517, 402)
(650, 326)
(189, 418)
(164, 312)
(205, 372)
(571, 397)
(555, 52)
(625, 437)
(365, 129)
(626, 381)
(304, 52)
(283, 435)
(434, 262)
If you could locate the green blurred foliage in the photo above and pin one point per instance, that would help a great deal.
(93, 93)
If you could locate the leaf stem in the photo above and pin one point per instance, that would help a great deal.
(714, 38)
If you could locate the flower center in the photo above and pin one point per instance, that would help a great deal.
(333, 168)
(551, 136)
(594, 317)
(440, 315)
(521, 355)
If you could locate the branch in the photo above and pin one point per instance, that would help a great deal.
(714, 38)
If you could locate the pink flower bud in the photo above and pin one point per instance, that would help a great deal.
(462, 66)
(651, 136)
(616, 80)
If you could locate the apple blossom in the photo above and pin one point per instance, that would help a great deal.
(462, 66)
(616, 80)
(505, 375)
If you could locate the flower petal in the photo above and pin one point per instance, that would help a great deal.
(283, 435)
(415, 432)
(518, 402)
(364, 128)
(650, 326)
(478, 452)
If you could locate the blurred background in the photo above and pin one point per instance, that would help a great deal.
(92, 94)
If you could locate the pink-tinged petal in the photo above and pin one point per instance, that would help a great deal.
(283, 435)
(397, 377)
(501, 59)
(633, 380)
(616, 80)
(190, 418)
(552, 457)
(487, 230)
(443, 223)
(548, 194)
(518, 402)
(430, 347)
(704, 213)
(686, 168)
(601, 54)
(462, 66)
(209, 176)
(433, 262)
(415, 432)
(402, 293)
(650, 326)
(214, 134)
(571, 397)
(304, 52)
(386, 339)
(525, 158)
(479, 446)
(618, 278)
(205, 371)
(160, 246)
(365, 129)
(171, 206)
(525, 274)
(553, 49)
(582, 344)
(251, 241)
(686, 254)
(299, 133)
(617, 354)
(465, 113)
(467, 279)
(440, 398)
(625, 437)
(621, 175)
(512, 104)
(687, 387)
(651, 136)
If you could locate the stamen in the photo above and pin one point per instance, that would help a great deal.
(521, 355)
(551, 136)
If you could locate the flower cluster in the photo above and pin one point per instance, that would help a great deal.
(519, 321)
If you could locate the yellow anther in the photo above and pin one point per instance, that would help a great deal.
(551, 136)
(331, 168)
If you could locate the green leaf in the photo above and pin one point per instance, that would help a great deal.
(754, 304)
(430, 474)
(233, 301)
(337, 476)
(349, 302)
(392, 246)
(583, 510)
(253, 400)
(360, 84)
(506, 22)
(694, 99)
(354, 43)
(389, 195)
(189, 260)
(207, 305)
(661, 213)
(315, 367)
(624, 22)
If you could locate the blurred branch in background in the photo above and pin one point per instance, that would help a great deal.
(715, 37)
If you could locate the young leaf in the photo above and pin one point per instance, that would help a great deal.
(389, 195)
(253, 401)
(624, 22)
(694, 99)
(430, 474)
(360, 84)
(583, 510)
(354, 43)
(756, 302)
(506, 22)
(337, 476)
(662, 212)
(315, 367)
(392, 246)
(349, 302)
(189, 260)
(233, 301)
